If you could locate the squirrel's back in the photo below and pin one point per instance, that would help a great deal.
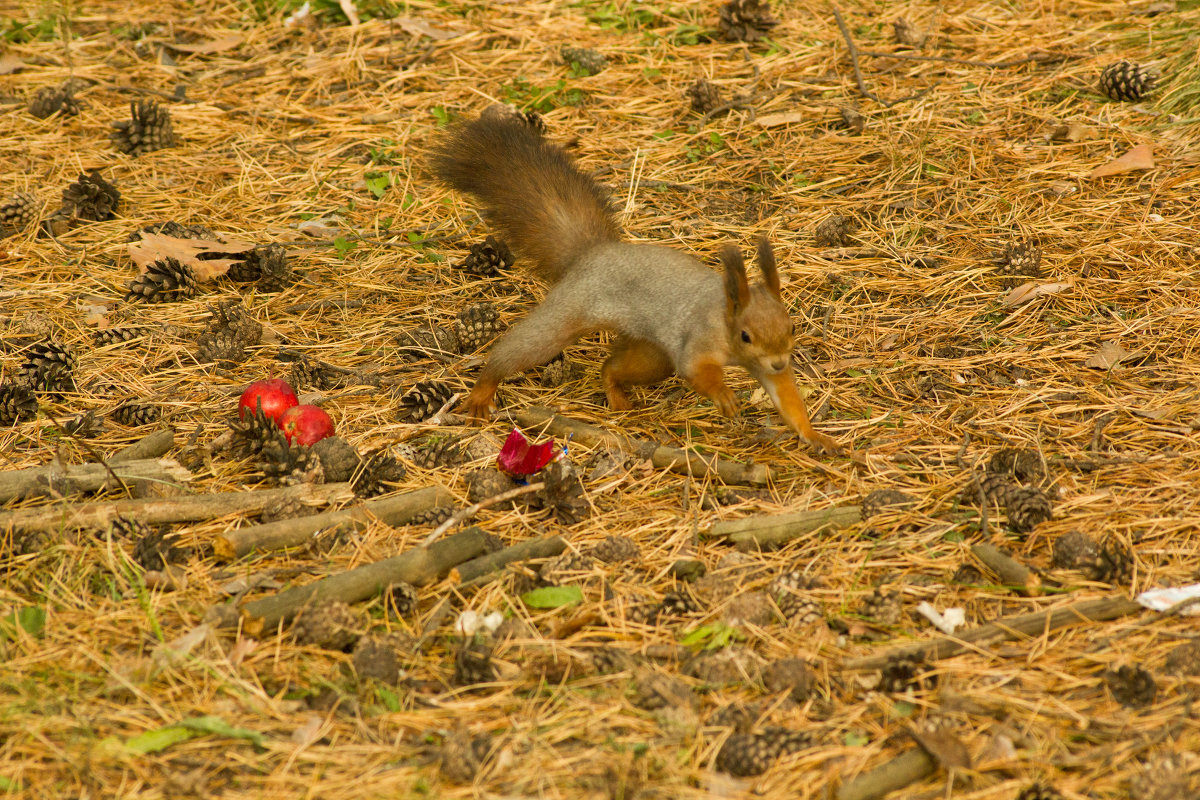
(546, 209)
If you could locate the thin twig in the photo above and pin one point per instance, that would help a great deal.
(858, 76)
(482, 504)
(1016, 62)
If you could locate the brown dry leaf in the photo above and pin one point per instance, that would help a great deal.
(1031, 291)
(787, 118)
(243, 647)
(309, 732)
(217, 45)
(9, 63)
(1073, 132)
(946, 748)
(422, 28)
(1139, 157)
(350, 11)
(153, 246)
(1109, 355)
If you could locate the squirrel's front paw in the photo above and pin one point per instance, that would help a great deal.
(725, 401)
(478, 403)
(824, 444)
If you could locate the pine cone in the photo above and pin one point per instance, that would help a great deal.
(703, 95)
(172, 228)
(906, 33)
(1115, 564)
(331, 625)
(402, 597)
(884, 606)
(903, 673)
(131, 528)
(616, 549)
(880, 499)
(835, 231)
(378, 470)
(473, 664)
(995, 487)
(487, 258)
(558, 371)
(439, 451)
(565, 568)
(286, 508)
(1075, 550)
(267, 266)
(1166, 777)
(563, 492)
(134, 414)
(680, 602)
(485, 483)
(86, 425)
(791, 675)
(339, 460)
(747, 754)
(252, 432)
(1019, 262)
(309, 372)
(1131, 686)
(585, 60)
(35, 323)
(90, 198)
(222, 347)
(153, 549)
(610, 660)
(1125, 80)
(50, 100)
(1184, 659)
(463, 756)
(1040, 791)
(431, 340)
(231, 315)
(1027, 507)
(120, 335)
(17, 403)
(19, 212)
(745, 20)
(288, 464)
(790, 592)
(49, 367)
(166, 280)
(148, 129)
(1024, 466)
(434, 516)
(476, 325)
(381, 657)
(423, 400)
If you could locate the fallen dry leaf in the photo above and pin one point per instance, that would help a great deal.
(309, 732)
(946, 748)
(1139, 157)
(787, 118)
(1072, 132)
(217, 45)
(243, 647)
(9, 63)
(153, 246)
(1032, 291)
(1109, 355)
(417, 26)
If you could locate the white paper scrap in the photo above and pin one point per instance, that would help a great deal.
(1162, 599)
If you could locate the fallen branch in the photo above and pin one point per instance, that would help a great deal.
(674, 459)
(901, 771)
(163, 510)
(1010, 571)
(772, 530)
(858, 76)
(477, 570)
(287, 533)
(152, 445)
(418, 566)
(1033, 624)
(90, 477)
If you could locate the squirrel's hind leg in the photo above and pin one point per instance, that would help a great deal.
(632, 362)
(534, 340)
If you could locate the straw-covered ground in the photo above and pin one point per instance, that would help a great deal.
(973, 158)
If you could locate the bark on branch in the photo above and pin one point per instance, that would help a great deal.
(773, 530)
(159, 511)
(477, 569)
(295, 532)
(674, 459)
(90, 477)
(418, 566)
(902, 770)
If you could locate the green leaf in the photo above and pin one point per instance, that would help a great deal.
(390, 700)
(903, 708)
(855, 739)
(31, 619)
(441, 115)
(218, 726)
(553, 597)
(343, 246)
(9, 785)
(713, 636)
(377, 183)
(158, 739)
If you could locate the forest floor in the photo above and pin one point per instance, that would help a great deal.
(971, 300)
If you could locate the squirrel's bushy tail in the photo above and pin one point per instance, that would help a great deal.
(544, 207)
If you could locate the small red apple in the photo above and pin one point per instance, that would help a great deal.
(274, 394)
(305, 424)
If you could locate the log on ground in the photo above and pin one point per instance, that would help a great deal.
(90, 477)
(773, 530)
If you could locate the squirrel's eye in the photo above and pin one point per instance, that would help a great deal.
(746, 337)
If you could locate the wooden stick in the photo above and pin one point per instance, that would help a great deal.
(150, 446)
(161, 510)
(487, 502)
(90, 477)
(287, 533)
(417, 566)
(772, 530)
(477, 569)
(674, 459)
(902, 770)
(1033, 624)
(1010, 571)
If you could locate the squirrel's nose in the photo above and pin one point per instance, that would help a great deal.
(779, 364)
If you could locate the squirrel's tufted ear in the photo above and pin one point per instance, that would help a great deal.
(737, 288)
(766, 262)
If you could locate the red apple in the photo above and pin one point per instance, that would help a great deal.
(305, 424)
(274, 394)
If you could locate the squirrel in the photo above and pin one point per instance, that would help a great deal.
(671, 313)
